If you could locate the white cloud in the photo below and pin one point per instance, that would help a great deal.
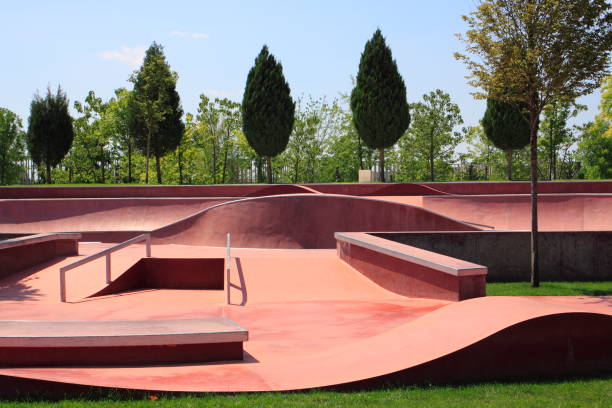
(132, 56)
(177, 33)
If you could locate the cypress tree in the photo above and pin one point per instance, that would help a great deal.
(268, 111)
(156, 120)
(506, 127)
(378, 101)
(50, 131)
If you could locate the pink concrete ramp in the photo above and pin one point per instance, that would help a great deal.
(282, 189)
(406, 189)
(557, 212)
(74, 215)
(299, 221)
(479, 339)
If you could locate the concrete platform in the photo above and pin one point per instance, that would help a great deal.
(25, 343)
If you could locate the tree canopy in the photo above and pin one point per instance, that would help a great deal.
(506, 126)
(378, 101)
(50, 130)
(157, 120)
(542, 50)
(268, 111)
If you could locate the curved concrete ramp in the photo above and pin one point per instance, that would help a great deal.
(407, 189)
(281, 189)
(74, 215)
(479, 339)
(299, 221)
(557, 212)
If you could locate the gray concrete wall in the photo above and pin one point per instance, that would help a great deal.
(564, 255)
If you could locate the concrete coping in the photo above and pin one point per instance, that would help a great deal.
(433, 260)
(116, 333)
(38, 238)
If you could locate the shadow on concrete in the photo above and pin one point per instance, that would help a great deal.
(242, 286)
(15, 286)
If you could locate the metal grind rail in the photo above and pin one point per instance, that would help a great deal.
(105, 252)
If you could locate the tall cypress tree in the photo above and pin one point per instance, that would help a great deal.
(50, 131)
(268, 111)
(507, 127)
(378, 101)
(156, 121)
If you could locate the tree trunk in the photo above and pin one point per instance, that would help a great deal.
(535, 270)
(180, 164)
(260, 178)
(158, 169)
(48, 174)
(148, 150)
(381, 155)
(509, 160)
(129, 162)
(269, 160)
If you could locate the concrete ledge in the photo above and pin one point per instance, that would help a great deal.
(66, 343)
(411, 271)
(21, 253)
(38, 238)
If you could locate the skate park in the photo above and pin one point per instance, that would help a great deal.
(321, 286)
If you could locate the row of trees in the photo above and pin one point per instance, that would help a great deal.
(323, 147)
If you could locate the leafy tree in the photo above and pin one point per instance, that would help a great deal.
(267, 108)
(50, 131)
(554, 133)
(595, 147)
(89, 156)
(116, 123)
(11, 146)
(506, 127)
(544, 50)
(378, 101)
(431, 134)
(156, 122)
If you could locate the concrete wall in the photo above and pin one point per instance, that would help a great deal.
(564, 255)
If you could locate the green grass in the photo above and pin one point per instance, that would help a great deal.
(603, 288)
(575, 393)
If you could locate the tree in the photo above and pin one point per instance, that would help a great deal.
(431, 132)
(554, 133)
(267, 108)
(595, 147)
(506, 127)
(11, 146)
(544, 50)
(50, 131)
(156, 123)
(378, 101)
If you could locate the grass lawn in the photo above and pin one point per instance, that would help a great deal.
(575, 393)
(603, 288)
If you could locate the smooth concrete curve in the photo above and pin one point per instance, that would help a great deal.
(557, 212)
(299, 221)
(118, 214)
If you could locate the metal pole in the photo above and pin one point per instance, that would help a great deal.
(62, 285)
(148, 242)
(108, 268)
(227, 269)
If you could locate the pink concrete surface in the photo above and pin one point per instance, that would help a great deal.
(244, 190)
(557, 212)
(313, 322)
(300, 221)
(120, 214)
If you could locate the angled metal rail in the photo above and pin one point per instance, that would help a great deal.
(105, 252)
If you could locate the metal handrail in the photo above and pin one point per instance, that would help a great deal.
(105, 252)
(228, 260)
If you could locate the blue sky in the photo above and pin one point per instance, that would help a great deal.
(95, 45)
